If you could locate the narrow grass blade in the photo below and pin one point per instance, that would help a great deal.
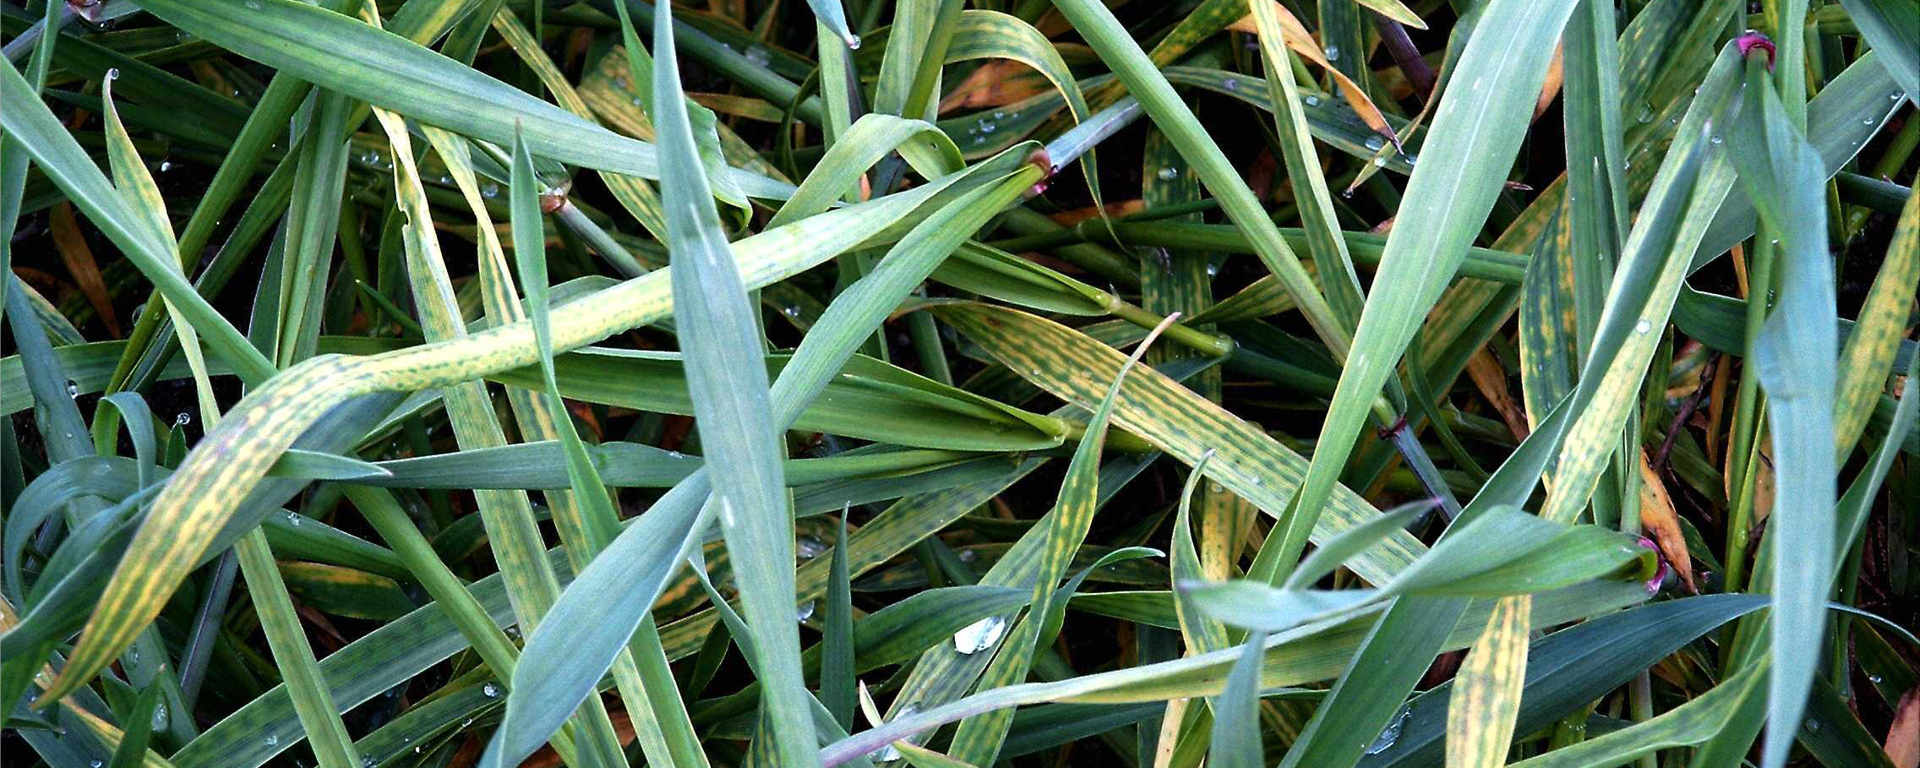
(398, 74)
(1236, 713)
(1246, 460)
(1571, 667)
(1203, 633)
(34, 129)
(1686, 725)
(1878, 331)
(730, 395)
(1795, 355)
(838, 656)
(978, 739)
(1474, 137)
(1480, 719)
(311, 697)
(1893, 28)
(1143, 79)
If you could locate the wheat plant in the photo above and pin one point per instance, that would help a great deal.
(931, 383)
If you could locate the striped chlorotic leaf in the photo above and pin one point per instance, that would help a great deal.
(1878, 333)
(1310, 653)
(1475, 134)
(1486, 700)
(1686, 725)
(979, 738)
(1175, 419)
(1203, 633)
(270, 418)
(393, 72)
(1569, 668)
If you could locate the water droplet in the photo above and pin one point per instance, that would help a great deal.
(1813, 726)
(758, 55)
(1232, 84)
(888, 753)
(987, 127)
(1333, 53)
(968, 555)
(366, 761)
(160, 718)
(1876, 679)
(165, 166)
(808, 547)
(1866, 121)
(1379, 162)
(466, 722)
(253, 5)
(73, 388)
(1717, 138)
(999, 115)
(273, 740)
(805, 611)
(1642, 327)
(853, 42)
(491, 190)
(980, 635)
(1896, 96)
(622, 82)
(790, 311)
(490, 690)
(675, 455)
(1375, 143)
(1168, 173)
(183, 419)
(1312, 100)
(1390, 735)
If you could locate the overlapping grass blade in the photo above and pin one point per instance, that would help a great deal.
(910, 381)
(1794, 355)
(1473, 139)
(1173, 117)
(1893, 28)
(978, 739)
(398, 74)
